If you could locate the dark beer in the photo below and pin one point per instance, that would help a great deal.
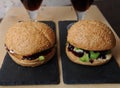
(31, 4)
(81, 5)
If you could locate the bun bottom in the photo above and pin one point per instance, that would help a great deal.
(97, 62)
(32, 63)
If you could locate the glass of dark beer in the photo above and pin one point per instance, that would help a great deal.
(32, 7)
(81, 6)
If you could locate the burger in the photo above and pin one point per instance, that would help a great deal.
(30, 43)
(89, 42)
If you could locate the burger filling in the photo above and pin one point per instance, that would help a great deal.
(39, 55)
(87, 56)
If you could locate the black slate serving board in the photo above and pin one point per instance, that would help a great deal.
(79, 74)
(13, 74)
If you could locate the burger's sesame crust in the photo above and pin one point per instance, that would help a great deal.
(91, 35)
(27, 38)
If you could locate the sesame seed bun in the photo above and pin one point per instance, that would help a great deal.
(28, 38)
(91, 35)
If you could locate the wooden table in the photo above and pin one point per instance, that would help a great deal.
(55, 14)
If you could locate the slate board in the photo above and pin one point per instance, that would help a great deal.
(13, 74)
(79, 74)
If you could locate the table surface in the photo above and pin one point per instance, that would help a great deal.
(111, 10)
(55, 14)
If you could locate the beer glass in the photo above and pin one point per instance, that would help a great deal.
(32, 7)
(81, 6)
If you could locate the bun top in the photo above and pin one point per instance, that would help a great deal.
(27, 38)
(91, 35)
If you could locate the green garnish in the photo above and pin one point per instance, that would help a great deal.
(78, 49)
(85, 58)
(41, 58)
(94, 55)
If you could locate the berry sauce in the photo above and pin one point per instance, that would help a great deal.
(34, 56)
(79, 54)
